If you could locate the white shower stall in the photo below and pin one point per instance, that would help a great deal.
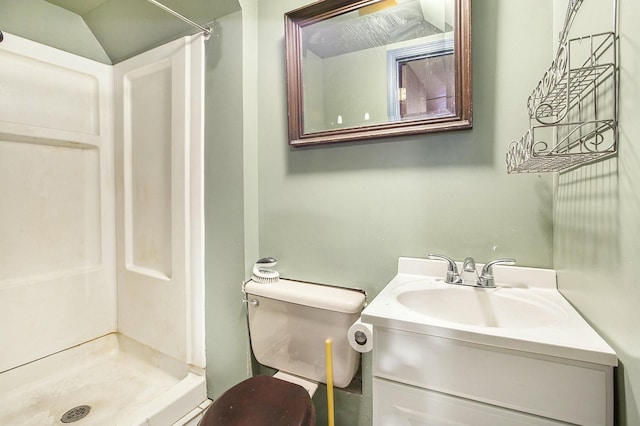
(101, 235)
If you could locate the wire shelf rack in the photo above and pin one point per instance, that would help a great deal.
(573, 109)
(582, 143)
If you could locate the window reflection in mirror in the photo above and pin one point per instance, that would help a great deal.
(426, 88)
(421, 81)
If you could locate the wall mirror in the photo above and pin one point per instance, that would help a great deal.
(377, 68)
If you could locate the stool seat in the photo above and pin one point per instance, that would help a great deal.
(262, 401)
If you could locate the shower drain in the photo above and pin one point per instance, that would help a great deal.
(75, 414)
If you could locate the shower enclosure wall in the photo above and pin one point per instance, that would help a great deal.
(101, 239)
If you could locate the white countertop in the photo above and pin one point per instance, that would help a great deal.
(567, 335)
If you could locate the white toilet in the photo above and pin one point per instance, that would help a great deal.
(289, 322)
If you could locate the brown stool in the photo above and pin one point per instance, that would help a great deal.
(262, 401)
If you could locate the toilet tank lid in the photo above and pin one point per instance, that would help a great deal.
(320, 296)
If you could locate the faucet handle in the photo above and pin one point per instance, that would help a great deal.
(486, 277)
(452, 269)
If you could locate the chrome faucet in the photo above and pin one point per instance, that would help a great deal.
(485, 280)
(453, 277)
(486, 276)
(469, 267)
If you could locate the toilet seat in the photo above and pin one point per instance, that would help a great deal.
(262, 401)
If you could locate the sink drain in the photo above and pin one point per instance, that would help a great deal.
(75, 414)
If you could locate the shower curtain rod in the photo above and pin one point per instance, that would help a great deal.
(207, 31)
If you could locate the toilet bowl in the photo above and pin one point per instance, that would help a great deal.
(289, 322)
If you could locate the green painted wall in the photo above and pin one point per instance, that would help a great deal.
(231, 193)
(596, 218)
(250, 130)
(225, 221)
(342, 214)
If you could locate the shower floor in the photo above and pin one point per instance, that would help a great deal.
(125, 383)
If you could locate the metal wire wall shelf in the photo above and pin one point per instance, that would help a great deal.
(572, 110)
(583, 143)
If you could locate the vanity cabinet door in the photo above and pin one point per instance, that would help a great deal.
(558, 388)
(403, 405)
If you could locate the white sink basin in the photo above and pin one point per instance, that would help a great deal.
(525, 312)
(497, 307)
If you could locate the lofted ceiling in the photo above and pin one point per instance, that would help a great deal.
(126, 27)
(78, 7)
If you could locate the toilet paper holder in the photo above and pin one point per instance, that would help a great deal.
(361, 336)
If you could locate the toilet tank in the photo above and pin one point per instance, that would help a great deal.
(289, 322)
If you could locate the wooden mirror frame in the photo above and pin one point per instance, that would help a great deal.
(321, 10)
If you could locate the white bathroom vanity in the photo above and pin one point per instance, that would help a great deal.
(516, 354)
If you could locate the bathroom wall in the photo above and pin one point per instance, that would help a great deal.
(342, 214)
(596, 217)
(226, 331)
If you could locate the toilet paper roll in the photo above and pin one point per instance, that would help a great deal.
(361, 336)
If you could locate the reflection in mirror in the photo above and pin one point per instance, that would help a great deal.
(425, 87)
(363, 69)
(420, 81)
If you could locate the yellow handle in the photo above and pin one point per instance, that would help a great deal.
(329, 373)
